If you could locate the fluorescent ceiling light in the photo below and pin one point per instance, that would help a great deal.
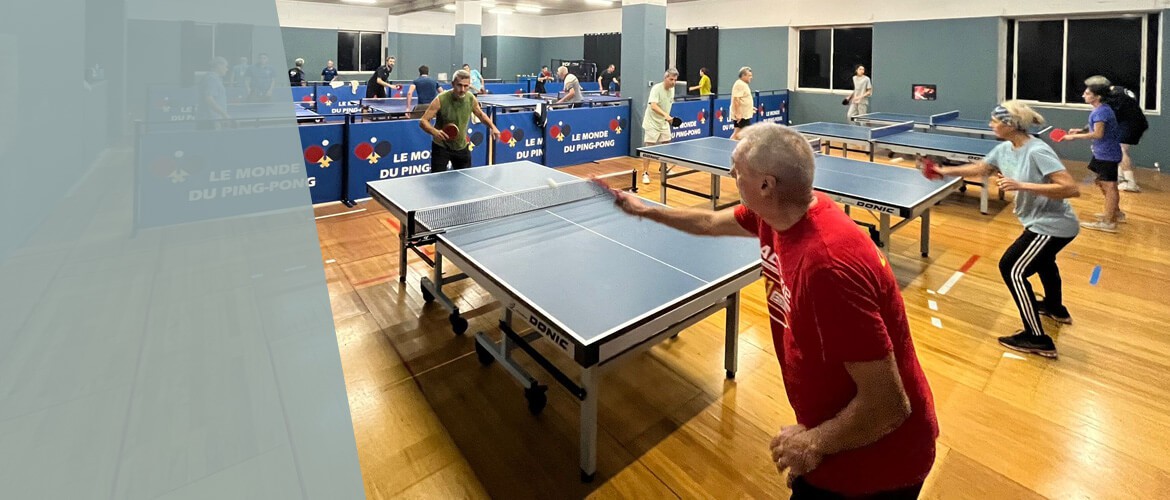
(529, 9)
(501, 10)
(487, 3)
(604, 3)
(449, 7)
(363, 2)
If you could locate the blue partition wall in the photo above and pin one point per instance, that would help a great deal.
(582, 135)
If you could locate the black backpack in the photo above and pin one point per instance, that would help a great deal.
(1128, 111)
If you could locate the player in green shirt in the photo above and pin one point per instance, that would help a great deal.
(455, 107)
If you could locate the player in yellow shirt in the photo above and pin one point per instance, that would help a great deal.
(704, 86)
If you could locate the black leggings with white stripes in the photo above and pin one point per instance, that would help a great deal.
(1030, 254)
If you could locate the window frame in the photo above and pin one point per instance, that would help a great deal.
(794, 56)
(358, 44)
(1142, 70)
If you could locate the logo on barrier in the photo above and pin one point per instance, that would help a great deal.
(325, 154)
(761, 110)
(373, 150)
(719, 114)
(617, 124)
(177, 166)
(328, 99)
(702, 117)
(474, 139)
(511, 136)
(561, 129)
(308, 98)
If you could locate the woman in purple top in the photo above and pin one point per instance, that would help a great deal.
(1104, 133)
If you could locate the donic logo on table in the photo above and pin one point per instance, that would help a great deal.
(177, 166)
(372, 150)
(324, 154)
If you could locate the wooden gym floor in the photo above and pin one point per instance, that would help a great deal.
(431, 422)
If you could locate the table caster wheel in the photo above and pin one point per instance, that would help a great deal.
(485, 357)
(586, 478)
(730, 374)
(428, 297)
(537, 398)
(458, 324)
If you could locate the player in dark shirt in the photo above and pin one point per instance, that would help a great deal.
(376, 87)
(296, 75)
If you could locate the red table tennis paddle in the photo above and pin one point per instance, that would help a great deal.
(451, 130)
(1057, 134)
(930, 169)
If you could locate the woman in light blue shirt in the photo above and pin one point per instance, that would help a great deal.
(1028, 167)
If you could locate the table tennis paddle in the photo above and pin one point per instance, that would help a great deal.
(675, 122)
(451, 130)
(930, 169)
(1057, 134)
(845, 101)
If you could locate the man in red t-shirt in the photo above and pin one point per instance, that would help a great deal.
(864, 410)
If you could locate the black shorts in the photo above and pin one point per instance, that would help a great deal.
(743, 123)
(1106, 170)
(1131, 137)
(441, 156)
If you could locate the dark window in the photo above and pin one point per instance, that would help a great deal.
(816, 47)
(1052, 58)
(347, 51)
(851, 47)
(371, 52)
(1108, 47)
(1153, 24)
(828, 57)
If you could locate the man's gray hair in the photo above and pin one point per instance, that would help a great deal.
(669, 73)
(299, 62)
(460, 75)
(775, 150)
(744, 70)
(1097, 81)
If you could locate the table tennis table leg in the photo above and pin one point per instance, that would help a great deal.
(662, 181)
(715, 192)
(588, 425)
(884, 234)
(925, 238)
(983, 196)
(402, 256)
(731, 347)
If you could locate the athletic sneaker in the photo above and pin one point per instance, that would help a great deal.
(645, 177)
(1062, 316)
(1108, 227)
(1120, 217)
(1129, 186)
(1032, 344)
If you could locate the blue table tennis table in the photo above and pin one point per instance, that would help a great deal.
(884, 189)
(264, 111)
(901, 138)
(589, 98)
(940, 122)
(563, 260)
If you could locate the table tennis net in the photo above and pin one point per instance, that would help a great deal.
(443, 218)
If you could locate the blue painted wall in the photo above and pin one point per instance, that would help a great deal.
(568, 47)
(509, 56)
(431, 50)
(768, 57)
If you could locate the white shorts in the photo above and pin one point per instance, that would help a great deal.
(651, 136)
